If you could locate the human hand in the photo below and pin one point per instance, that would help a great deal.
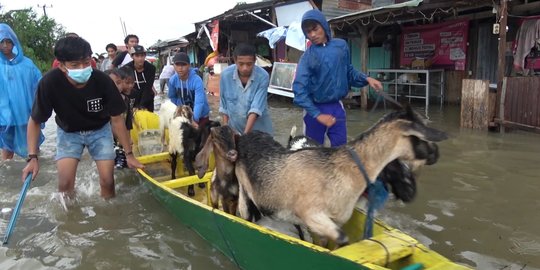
(31, 167)
(133, 163)
(326, 119)
(375, 84)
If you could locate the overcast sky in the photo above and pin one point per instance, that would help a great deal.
(98, 21)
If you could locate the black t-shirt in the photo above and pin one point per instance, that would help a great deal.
(129, 112)
(83, 109)
(119, 58)
(144, 81)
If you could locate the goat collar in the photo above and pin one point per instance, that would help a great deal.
(359, 164)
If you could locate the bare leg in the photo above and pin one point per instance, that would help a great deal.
(106, 177)
(67, 170)
(6, 154)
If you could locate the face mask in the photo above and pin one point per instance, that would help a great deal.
(80, 75)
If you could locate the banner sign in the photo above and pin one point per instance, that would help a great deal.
(443, 44)
(214, 36)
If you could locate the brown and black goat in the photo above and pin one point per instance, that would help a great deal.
(224, 185)
(319, 187)
(186, 140)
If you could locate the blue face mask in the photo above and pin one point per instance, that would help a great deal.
(80, 75)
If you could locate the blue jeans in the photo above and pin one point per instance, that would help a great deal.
(99, 143)
(336, 133)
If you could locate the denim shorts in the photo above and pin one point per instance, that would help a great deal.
(99, 143)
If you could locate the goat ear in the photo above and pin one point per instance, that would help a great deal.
(425, 133)
(203, 157)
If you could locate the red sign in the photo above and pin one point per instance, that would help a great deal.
(443, 44)
(214, 36)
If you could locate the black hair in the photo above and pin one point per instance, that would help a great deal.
(127, 72)
(112, 46)
(126, 40)
(122, 73)
(309, 24)
(244, 49)
(71, 34)
(72, 49)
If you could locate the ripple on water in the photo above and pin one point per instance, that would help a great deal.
(525, 243)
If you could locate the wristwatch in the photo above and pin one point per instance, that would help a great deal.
(31, 156)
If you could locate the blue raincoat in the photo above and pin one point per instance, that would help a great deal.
(18, 83)
(324, 73)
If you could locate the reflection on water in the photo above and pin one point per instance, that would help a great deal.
(478, 205)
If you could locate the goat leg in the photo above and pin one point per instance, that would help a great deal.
(191, 170)
(173, 164)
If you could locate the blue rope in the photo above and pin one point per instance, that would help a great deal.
(377, 194)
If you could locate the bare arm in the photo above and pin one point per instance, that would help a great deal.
(224, 119)
(119, 129)
(32, 138)
(252, 117)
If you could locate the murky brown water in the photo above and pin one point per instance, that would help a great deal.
(478, 205)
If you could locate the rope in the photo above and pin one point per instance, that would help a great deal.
(377, 194)
(385, 249)
(368, 227)
(220, 229)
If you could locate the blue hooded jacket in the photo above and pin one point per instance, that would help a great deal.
(324, 73)
(193, 94)
(19, 78)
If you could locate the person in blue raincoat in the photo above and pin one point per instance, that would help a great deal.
(323, 77)
(19, 78)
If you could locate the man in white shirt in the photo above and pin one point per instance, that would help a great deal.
(111, 53)
(166, 73)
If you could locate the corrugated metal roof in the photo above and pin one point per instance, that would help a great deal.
(331, 9)
(368, 12)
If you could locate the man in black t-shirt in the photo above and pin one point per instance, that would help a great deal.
(145, 74)
(87, 106)
(124, 57)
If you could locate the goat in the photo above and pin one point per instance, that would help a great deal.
(185, 139)
(396, 175)
(167, 112)
(318, 187)
(224, 186)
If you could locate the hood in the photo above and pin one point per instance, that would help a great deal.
(193, 71)
(7, 32)
(318, 16)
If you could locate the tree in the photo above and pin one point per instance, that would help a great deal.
(36, 35)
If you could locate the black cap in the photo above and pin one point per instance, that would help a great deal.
(137, 49)
(181, 57)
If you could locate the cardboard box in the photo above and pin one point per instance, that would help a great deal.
(421, 63)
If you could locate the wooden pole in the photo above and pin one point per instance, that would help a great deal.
(503, 16)
(364, 59)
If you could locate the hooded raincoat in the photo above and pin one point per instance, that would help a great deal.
(18, 83)
(324, 73)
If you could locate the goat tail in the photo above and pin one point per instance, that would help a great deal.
(292, 135)
(293, 131)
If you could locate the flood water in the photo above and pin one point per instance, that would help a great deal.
(479, 205)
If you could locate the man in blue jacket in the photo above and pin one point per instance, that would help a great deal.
(186, 88)
(323, 77)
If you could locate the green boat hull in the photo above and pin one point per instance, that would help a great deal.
(248, 247)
